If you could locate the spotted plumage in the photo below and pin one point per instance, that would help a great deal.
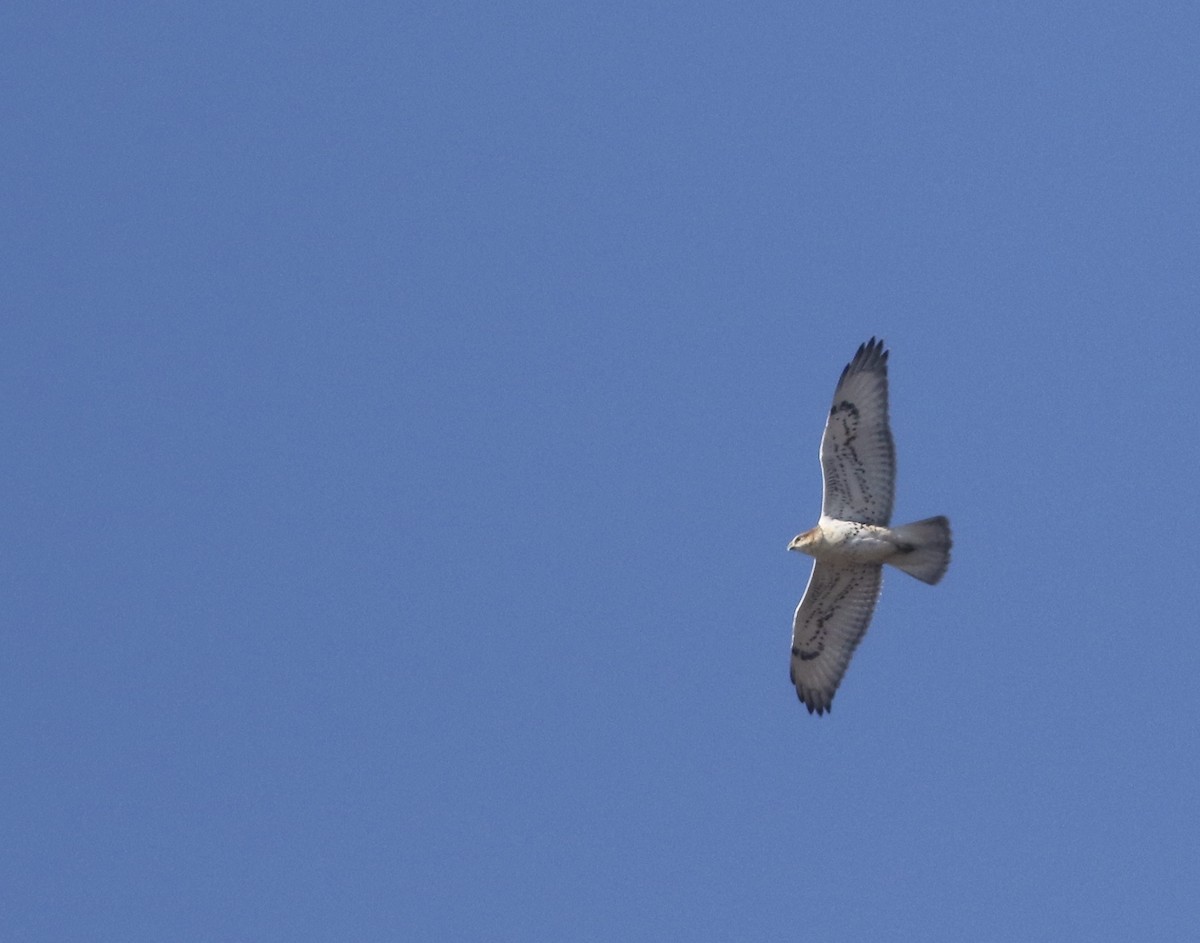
(852, 539)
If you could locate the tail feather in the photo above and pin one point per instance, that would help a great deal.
(924, 549)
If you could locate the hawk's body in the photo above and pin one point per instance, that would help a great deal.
(852, 539)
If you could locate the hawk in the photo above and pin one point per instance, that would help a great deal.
(852, 539)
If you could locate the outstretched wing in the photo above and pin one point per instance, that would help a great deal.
(857, 457)
(830, 620)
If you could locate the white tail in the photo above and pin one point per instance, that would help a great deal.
(924, 550)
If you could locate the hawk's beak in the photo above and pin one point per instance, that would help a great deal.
(795, 544)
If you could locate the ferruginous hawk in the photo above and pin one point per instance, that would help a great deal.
(852, 539)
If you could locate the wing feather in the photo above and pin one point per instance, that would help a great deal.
(830, 621)
(858, 460)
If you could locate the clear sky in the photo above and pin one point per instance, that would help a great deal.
(407, 408)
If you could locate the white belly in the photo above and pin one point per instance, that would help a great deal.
(851, 542)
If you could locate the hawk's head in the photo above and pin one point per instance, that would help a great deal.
(806, 542)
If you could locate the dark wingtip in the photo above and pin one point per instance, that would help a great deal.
(874, 348)
(869, 355)
(813, 706)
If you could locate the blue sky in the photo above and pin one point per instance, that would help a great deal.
(407, 410)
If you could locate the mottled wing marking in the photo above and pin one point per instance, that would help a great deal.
(857, 457)
(830, 620)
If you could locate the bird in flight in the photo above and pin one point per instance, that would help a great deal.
(852, 539)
